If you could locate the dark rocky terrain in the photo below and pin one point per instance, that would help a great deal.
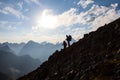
(95, 57)
(5, 77)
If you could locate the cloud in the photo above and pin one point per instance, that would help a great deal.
(26, 10)
(33, 1)
(104, 15)
(71, 17)
(5, 25)
(0, 3)
(10, 10)
(4, 12)
(96, 17)
(14, 12)
(85, 3)
(65, 19)
(20, 4)
(78, 33)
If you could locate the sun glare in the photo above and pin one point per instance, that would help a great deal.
(47, 20)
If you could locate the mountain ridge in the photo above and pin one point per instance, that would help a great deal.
(39, 50)
(34, 49)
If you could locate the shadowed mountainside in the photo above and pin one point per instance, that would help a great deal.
(95, 57)
(15, 66)
(5, 77)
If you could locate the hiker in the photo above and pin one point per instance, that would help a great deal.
(68, 38)
(64, 44)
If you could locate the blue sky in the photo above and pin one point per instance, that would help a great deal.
(51, 20)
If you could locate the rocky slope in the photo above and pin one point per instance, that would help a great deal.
(95, 57)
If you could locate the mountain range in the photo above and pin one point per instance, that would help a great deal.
(15, 66)
(17, 59)
(15, 47)
(39, 50)
(34, 49)
(94, 57)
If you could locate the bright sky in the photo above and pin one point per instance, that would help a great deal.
(51, 20)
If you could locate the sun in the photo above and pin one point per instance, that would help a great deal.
(47, 20)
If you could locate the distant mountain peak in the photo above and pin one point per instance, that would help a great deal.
(44, 43)
(5, 43)
(31, 41)
(5, 47)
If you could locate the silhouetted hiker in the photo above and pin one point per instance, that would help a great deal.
(64, 44)
(68, 38)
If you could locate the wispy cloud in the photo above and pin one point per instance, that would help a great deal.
(0, 3)
(14, 12)
(20, 4)
(66, 19)
(5, 25)
(104, 15)
(78, 33)
(33, 1)
(3, 11)
(96, 16)
(85, 3)
(9, 10)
